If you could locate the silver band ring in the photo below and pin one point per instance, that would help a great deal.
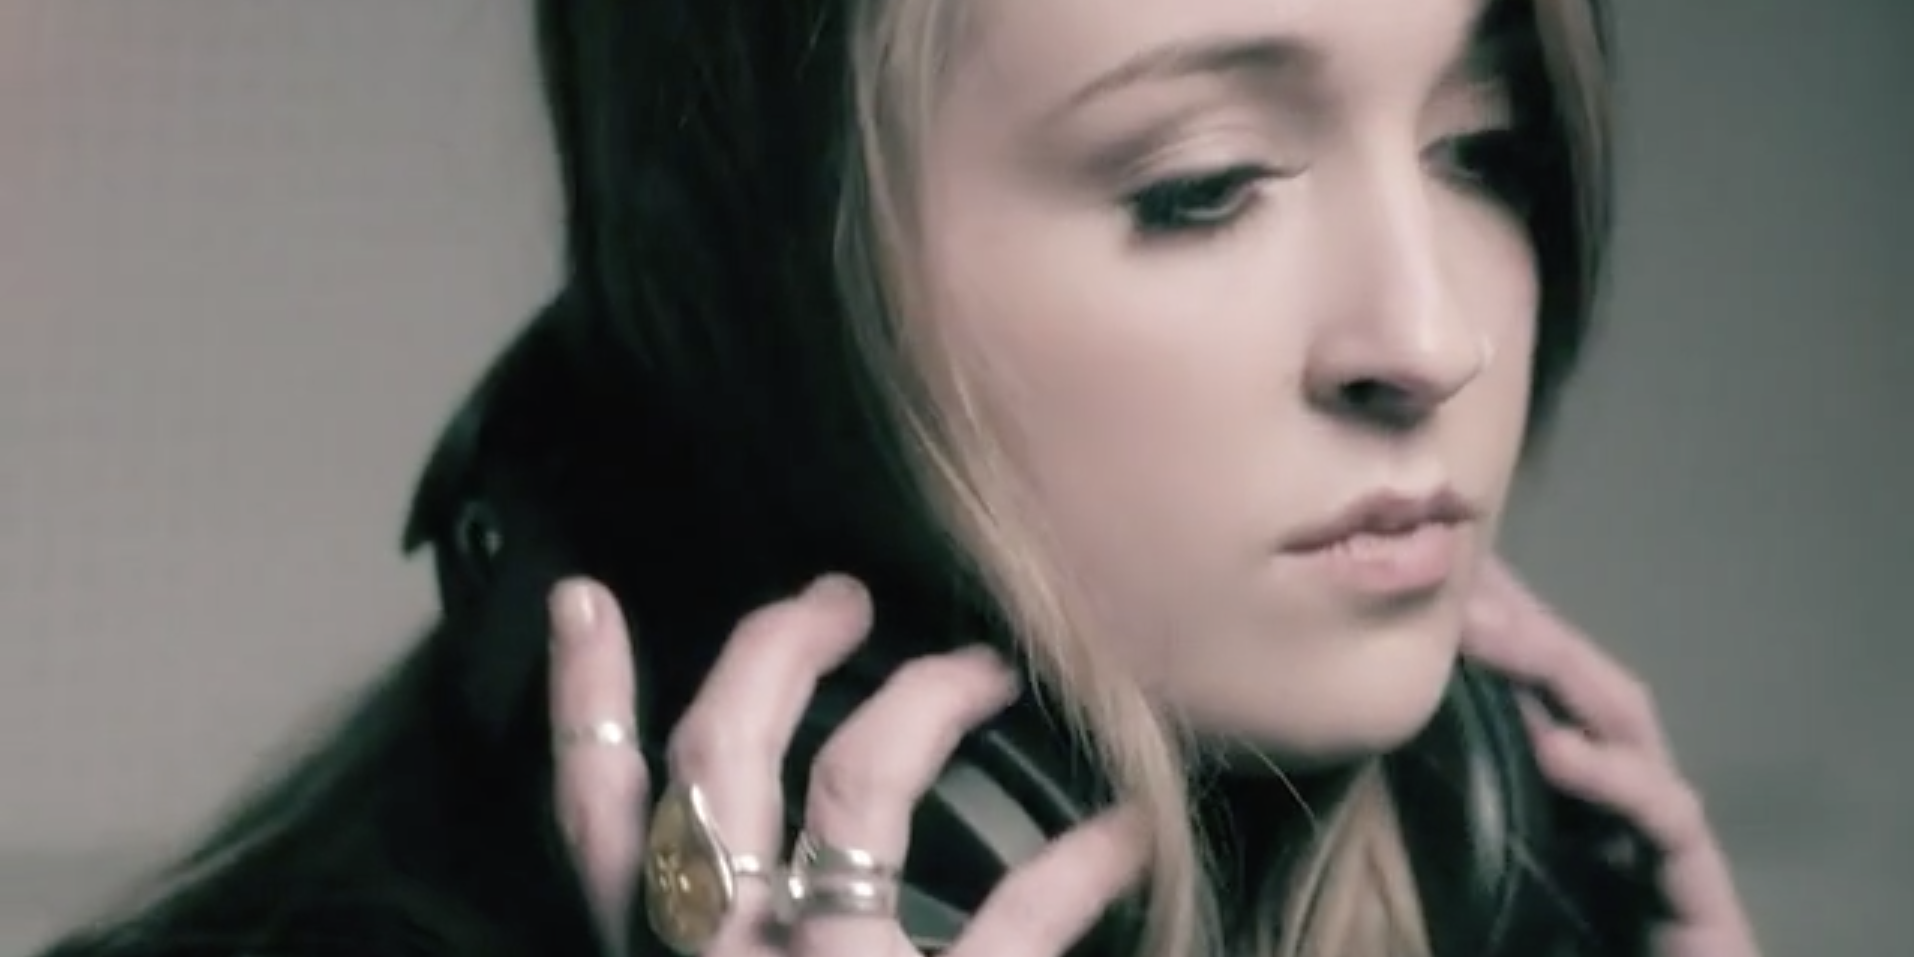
(813, 857)
(831, 880)
(807, 897)
(608, 732)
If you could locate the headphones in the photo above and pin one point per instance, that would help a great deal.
(1506, 867)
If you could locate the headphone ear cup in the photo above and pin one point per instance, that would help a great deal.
(1008, 790)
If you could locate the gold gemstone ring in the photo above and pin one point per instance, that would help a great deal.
(690, 877)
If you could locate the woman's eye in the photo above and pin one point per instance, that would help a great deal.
(1500, 163)
(1205, 201)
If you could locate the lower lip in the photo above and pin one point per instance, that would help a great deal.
(1390, 566)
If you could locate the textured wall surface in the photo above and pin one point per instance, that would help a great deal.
(251, 250)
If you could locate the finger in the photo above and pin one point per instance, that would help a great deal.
(1049, 903)
(870, 775)
(1514, 633)
(600, 776)
(1652, 796)
(731, 741)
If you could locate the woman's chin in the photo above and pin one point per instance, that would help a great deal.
(1325, 725)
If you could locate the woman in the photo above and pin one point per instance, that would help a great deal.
(1172, 359)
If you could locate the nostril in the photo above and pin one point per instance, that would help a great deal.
(1364, 393)
(1380, 402)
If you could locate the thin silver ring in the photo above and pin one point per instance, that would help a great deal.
(1484, 356)
(751, 865)
(607, 732)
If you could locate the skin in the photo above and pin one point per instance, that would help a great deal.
(1604, 743)
(1322, 332)
(1200, 374)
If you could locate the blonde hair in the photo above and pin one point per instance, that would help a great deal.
(1354, 894)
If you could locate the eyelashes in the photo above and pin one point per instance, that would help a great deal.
(1499, 165)
(1197, 202)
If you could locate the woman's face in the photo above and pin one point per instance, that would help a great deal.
(1243, 301)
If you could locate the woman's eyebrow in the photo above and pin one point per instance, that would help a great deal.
(1483, 59)
(1263, 55)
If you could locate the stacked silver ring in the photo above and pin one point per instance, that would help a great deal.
(826, 880)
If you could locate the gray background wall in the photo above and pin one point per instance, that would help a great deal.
(250, 251)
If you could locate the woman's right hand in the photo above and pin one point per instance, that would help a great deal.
(865, 781)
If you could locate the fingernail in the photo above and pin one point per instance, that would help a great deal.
(996, 659)
(1002, 669)
(575, 611)
(834, 588)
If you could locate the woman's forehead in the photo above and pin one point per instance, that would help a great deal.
(1046, 56)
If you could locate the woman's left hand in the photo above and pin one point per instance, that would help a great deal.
(1607, 747)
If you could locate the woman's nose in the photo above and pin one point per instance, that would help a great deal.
(1395, 345)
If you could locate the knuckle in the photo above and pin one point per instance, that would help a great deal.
(843, 779)
(570, 820)
(1557, 659)
(585, 828)
(1629, 688)
(958, 683)
(764, 628)
(1027, 912)
(698, 748)
(1687, 810)
(1638, 696)
(599, 791)
(799, 631)
(937, 680)
(624, 783)
(889, 751)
